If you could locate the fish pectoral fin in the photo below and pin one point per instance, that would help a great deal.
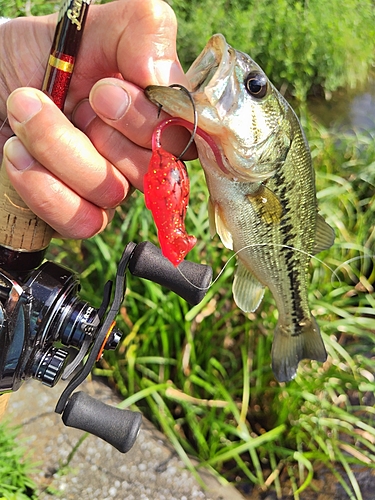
(324, 235)
(266, 204)
(247, 290)
(218, 224)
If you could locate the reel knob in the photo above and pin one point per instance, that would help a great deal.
(120, 428)
(51, 365)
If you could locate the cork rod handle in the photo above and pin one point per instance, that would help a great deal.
(20, 228)
(3, 404)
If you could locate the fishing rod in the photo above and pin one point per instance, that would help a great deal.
(47, 332)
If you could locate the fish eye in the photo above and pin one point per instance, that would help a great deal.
(256, 84)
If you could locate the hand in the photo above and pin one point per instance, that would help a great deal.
(73, 178)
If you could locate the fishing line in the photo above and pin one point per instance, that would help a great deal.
(353, 259)
(195, 123)
(333, 271)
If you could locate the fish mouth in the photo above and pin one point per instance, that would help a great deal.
(214, 63)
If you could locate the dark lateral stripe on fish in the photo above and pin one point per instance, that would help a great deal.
(286, 229)
(295, 288)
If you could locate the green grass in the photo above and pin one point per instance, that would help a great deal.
(202, 373)
(15, 469)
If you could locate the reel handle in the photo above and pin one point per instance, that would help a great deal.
(190, 280)
(117, 427)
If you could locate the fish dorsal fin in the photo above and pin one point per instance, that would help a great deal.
(218, 225)
(247, 290)
(266, 204)
(324, 235)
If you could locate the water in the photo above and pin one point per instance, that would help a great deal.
(347, 110)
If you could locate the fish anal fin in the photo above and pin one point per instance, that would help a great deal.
(324, 235)
(247, 290)
(291, 345)
(218, 224)
(267, 204)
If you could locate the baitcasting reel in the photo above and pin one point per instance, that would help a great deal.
(43, 315)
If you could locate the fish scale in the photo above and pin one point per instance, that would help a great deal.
(262, 191)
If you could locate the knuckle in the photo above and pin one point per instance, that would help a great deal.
(85, 223)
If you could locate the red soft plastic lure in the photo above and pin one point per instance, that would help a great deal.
(166, 189)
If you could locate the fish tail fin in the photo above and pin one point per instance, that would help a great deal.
(291, 345)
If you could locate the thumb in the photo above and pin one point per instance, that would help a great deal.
(138, 41)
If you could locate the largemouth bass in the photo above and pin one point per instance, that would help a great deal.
(262, 191)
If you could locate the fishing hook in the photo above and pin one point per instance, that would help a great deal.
(195, 123)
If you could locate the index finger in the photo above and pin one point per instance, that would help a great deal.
(131, 38)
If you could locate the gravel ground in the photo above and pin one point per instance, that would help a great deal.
(151, 470)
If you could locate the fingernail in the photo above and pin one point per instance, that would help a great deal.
(83, 115)
(109, 100)
(17, 155)
(168, 72)
(23, 104)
